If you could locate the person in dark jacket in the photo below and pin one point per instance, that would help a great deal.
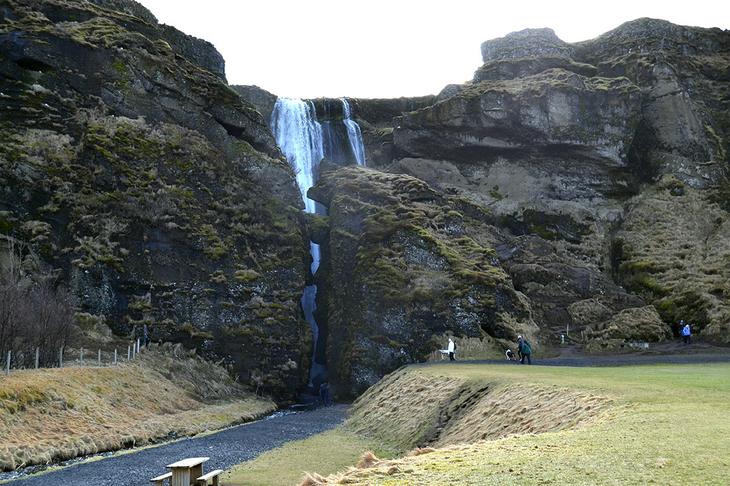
(526, 352)
(324, 394)
(520, 340)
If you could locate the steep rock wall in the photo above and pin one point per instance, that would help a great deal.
(159, 195)
(563, 147)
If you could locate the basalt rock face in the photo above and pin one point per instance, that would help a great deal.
(673, 248)
(584, 156)
(261, 99)
(684, 73)
(375, 117)
(403, 265)
(128, 164)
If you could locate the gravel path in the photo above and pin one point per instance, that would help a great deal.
(225, 449)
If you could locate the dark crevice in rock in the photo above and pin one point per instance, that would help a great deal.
(232, 130)
(30, 64)
(639, 153)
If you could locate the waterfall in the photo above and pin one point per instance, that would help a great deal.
(299, 136)
(354, 134)
(304, 142)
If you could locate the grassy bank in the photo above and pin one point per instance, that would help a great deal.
(327, 453)
(56, 414)
(489, 425)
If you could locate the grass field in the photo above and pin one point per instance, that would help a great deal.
(327, 453)
(50, 415)
(650, 424)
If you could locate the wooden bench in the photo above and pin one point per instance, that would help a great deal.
(184, 471)
(160, 480)
(203, 480)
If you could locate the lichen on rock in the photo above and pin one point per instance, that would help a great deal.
(416, 265)
(158, 194)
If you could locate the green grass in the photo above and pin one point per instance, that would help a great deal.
(325, 453)
(666, 424)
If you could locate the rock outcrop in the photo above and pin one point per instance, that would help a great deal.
(587, 157)
(673, 248)
(402, 266)
(158, 194)
(683, 73)
(261, 99)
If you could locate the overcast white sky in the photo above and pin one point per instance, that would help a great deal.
(391, 48)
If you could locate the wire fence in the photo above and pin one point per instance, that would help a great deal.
(67, 357)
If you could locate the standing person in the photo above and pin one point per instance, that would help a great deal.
(145, 336)
(526, 352)
(686, 334)
(451, 348)
(324, 394)
(520, 341)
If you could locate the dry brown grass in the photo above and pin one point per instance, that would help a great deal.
(368, 459)
(409, 409)
(56, 414)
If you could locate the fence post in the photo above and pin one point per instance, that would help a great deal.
(133, 350)
(7, 363)
(137, 345)
(115, 356)
(60, 357)
(129, 353)
(98, 358)
(82, 356)
(37, 357)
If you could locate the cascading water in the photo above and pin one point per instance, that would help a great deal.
(299, 136)
(354, 134)
(305, 142)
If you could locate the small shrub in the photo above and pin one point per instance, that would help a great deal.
(34, 314)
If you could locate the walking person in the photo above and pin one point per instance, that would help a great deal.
(451, 348)
(520, 341)
(686, 333)
(526, 352)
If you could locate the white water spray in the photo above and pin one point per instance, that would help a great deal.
(354, 135)
(300, 138)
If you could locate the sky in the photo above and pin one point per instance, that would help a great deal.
(392, 48)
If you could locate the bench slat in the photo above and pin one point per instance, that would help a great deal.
(161, 478)
(211, 474)
(190, 462)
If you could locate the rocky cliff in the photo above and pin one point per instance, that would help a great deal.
(593, 177)
(154, 190)
(567, 187)
(403, 265)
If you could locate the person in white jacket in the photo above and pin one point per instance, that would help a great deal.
(451, 348)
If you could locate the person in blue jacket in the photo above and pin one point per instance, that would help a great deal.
(686, 333)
